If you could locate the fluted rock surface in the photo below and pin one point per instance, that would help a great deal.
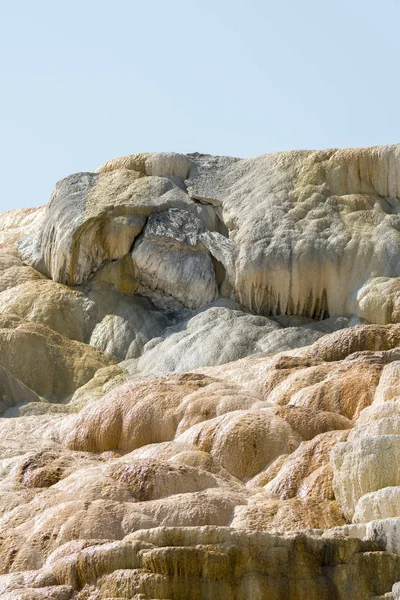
(200, 381)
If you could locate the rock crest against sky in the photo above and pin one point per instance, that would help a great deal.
(200, 380)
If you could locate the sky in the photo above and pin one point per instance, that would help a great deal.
(83, 82)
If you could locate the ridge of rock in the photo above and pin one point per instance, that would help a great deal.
(200, 380)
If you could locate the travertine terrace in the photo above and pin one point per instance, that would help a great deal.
(200, 381)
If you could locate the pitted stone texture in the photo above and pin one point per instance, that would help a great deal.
(178, 256)
(298, 223)
(160, 164)
(363, 466)
(92, 219)
(45, 361)
(56, 306)
(231, 417)
(214, 562)
(216, 335)
(310, 213)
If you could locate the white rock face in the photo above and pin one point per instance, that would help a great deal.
(383, 504)
(171, 258)
(388, 389)
(199, 381)
(299, 220)
(309, 233)
(92, 219)
(364, 466)
(215, 336)
(128, 325)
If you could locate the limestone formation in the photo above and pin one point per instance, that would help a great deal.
(200, 381)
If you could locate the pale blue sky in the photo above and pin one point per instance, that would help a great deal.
(85, 81)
